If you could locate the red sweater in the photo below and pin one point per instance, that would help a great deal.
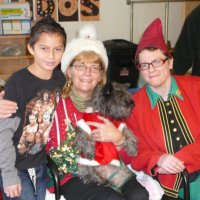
(58, 130)
(146, 124)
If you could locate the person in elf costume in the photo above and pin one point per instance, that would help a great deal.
(166, 118)
(84, 63)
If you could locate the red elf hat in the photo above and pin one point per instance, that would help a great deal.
(152, 37)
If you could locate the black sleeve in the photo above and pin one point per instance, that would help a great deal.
(186, 46)
(60, 78)
(14, 92)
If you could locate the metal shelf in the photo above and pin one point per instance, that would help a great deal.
(14, 36)
(15, 57)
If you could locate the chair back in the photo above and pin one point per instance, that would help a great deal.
(186, 182)
(56, 179)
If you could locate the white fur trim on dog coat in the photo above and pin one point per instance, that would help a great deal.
(81, 123)
(85, 161)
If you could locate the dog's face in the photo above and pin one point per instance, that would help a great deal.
(113, 100)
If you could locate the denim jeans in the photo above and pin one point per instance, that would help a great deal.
(29, 191)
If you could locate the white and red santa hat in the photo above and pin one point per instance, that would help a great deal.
(86, 41)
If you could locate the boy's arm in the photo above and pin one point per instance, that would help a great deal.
(9, 174)
(7, 108)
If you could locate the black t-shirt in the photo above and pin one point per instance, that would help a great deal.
(36, 99)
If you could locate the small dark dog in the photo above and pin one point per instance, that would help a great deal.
(100, 161)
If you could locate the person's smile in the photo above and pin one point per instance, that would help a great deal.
(49, 63)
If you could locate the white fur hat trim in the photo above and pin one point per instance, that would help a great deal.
(85, 42)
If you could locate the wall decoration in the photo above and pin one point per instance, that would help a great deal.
(67, 10)
(64, 10)
(89, 10)
(44, 8)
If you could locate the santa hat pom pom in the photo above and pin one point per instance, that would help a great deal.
(88, 31)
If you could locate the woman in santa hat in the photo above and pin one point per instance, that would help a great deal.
(84, 63)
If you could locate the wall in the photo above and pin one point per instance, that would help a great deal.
(115, 20)
(145, 13)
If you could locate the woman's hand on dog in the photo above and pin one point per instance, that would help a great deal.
(105, 132)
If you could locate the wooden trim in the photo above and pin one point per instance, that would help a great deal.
(188, 7)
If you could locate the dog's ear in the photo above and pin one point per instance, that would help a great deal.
(126, 85)
(107, 89)
(123, 86)
(120, 86)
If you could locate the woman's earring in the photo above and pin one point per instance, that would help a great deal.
(69, 83)
(66, 89)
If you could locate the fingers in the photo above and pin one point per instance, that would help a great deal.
(13, 190)
(178, 166)
(169, 170)
(105, 131)
(9, 104)
(3, 116)
(95, 124)
(2, 93)
(99, 125)
(162, 171)
(105, 120)
(170, 164)
(98, 135)
(7, 108)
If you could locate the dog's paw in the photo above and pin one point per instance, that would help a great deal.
(130, 143)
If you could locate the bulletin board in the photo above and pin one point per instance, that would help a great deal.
(65, 10)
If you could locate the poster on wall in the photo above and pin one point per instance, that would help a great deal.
(21, 1)
(67, 10)
(89, 10)
(44, 8)
(41, 8)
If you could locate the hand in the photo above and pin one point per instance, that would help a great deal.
(169, 164)
(105, 132)
(2, 93)
(162, 171)
(7, 108)
(13, 190)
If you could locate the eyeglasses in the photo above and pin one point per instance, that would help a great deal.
(95, 68)
(155, 64)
